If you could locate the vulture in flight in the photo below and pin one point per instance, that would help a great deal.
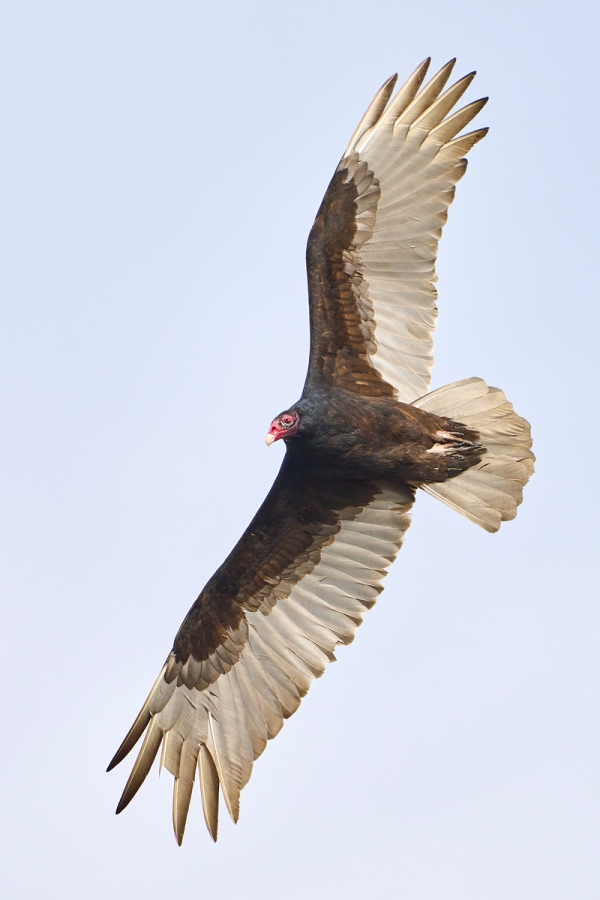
(364, 435)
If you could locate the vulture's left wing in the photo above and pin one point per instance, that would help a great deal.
(296, 585)
(372, 249)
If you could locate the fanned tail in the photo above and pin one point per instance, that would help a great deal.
(489, 492)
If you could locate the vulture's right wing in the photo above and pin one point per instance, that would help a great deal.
(372, 249)
(296, 585)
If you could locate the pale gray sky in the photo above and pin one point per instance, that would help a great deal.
(161, 164)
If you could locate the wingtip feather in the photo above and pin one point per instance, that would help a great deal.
(182, 789)
(139, 726)
(142, 765)
(209, 790)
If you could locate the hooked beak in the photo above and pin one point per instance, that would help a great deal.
(269, 439)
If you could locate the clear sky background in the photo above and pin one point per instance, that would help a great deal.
(160, 167)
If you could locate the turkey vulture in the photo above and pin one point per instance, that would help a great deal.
(359, 442)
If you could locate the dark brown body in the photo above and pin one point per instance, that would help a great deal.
(342, 433)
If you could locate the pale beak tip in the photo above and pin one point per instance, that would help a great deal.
(269, 438)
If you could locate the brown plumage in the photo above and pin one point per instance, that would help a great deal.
(359, 442)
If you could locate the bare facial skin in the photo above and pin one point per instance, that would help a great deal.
(285, 425)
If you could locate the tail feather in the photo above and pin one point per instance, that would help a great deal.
(489, 492)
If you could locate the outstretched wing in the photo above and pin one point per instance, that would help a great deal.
(296, 585)
(372, 249)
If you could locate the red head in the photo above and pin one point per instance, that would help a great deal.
(283, 426)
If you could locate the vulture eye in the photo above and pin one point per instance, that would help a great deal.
(286, 421)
